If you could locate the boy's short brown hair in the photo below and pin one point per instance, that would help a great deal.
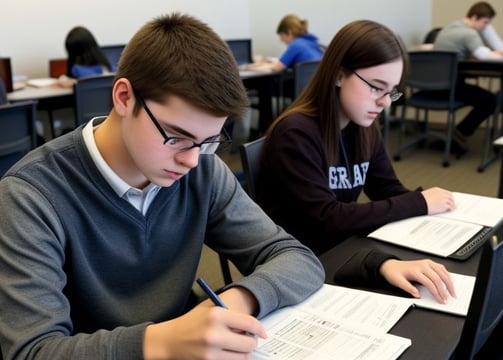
(481, 9)
(179, 55)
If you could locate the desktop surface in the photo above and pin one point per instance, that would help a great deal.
(434, 334)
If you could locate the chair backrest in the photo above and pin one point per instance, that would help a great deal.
(433, 70)
(486, 306)
(58, 67)
(93, 97)
(113, 53)
(251, 154)
(303, 72)
(431, 36)
(18, 135)
(242, 50)
(6, 73)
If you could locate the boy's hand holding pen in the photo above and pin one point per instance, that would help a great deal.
(218, 302)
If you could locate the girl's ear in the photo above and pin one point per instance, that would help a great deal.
(340, 79)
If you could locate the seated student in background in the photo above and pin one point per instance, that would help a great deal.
(301, 45)
(102, 229)
(465, 36)
(326, 148)
(85, 58)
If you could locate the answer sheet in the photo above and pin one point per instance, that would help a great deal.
(336, 323)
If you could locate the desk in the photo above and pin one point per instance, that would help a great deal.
(493, 69)
(48, 99)
(434, 334)
(267, 84)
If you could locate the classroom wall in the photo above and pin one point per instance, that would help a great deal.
(411, 19)
(32, 32)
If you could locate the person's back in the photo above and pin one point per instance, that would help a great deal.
(301, 45)
(460, 38)
(302, 48)
(85, 58)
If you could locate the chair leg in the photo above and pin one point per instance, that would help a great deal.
(226, 272)
(493, 130)
(419, 139)
(448, 140)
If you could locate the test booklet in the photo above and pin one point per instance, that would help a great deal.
(445, 233)
(343, 323)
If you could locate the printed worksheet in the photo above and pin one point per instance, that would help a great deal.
(336, 323)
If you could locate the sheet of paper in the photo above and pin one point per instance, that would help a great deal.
(463, 285)
(336, 323)
(366, 309)
(482, 210)
(304, 336)
(431, 234)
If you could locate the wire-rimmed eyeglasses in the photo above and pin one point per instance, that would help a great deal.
(208, 146)
(377, 92)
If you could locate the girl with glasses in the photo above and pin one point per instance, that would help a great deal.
(326, 149)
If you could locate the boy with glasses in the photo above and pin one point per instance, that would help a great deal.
(102, 229)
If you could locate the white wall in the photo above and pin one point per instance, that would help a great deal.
(33, 31)
(410, 19)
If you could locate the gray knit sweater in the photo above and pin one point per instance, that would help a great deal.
(82, 272)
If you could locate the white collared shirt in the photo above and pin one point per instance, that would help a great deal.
(139, 198)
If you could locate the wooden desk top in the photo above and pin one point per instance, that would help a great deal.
(434, 334)
(34, 93)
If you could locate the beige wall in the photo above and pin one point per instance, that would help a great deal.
(445, 11)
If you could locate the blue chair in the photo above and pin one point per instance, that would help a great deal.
(302, 74)
(431, 82)
(113, 53)
(18, 135)
(93, 97)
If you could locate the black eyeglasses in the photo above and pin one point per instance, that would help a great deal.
(208, 146)
(377, 92)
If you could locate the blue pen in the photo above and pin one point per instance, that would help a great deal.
(213, 296)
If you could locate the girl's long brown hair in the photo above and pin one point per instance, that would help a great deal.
(359, 44)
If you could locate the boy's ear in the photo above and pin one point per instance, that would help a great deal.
(123, 96)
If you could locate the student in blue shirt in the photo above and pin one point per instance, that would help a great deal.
(85, 57)
(301, 45)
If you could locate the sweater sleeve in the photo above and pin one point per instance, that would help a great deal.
(296, 188)
(363, 269)
(278, 269)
